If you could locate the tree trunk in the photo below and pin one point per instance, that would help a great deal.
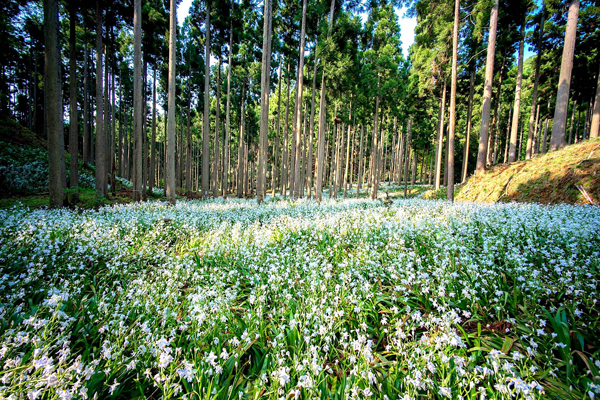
(241, 147)
(375, 186)
(557, 139)
(73, 121)
(100, 138)
(277, 175)
(264, 104)
(534, 95)
(53, 102)
(360, 161)
(450, 157)
(151, 182)
(137, 99)
(227, 113)
(170, 161)
(86, 111)
(113, 160)
(311, 130)
(296, 183)
(512, 151)
(321, 142)
(536, 144)
(407, 157)
(468, 137)
(507, 140)
(545, 139)
(596, 114)
(570, 141)
(487, 92)
(286, 156)
(206, 126)
(440, 140)
(322, 117)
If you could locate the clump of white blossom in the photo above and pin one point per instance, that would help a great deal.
(356, 299)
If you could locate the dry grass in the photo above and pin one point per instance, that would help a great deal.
(564, 176)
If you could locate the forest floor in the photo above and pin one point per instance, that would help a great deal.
(228, 300)
(570, 175)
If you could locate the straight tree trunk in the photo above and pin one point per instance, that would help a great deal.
(487, 92)
(279, 148)
(545, 139)
(375, 186)
(468, 137)
(322, 117)
(536, 144)
(440, 140)
(298, 111)
(264, 103)
(86, 110)
(507, 140)
(557, 140)
(241, 147)
(311, 130)
(596, 115)
(320, 142)
(53, 102)
(227, 113)
(407, 157)
(137, 99)
(512, 151)
(534, 95)
(153, 139)
(570, 141)
(100, 137)
(286, 156)
(113, 160)
(170, 161)
(73, 120)
(450, 157)
(360, 161)
(206, 126)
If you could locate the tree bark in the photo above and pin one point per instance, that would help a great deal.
(321, 142)
(286, 156)
(100, 138)
(311, 130)
(53, 102)
(216, 145)
(298, 110)
(264, 104)
(86, 110)
(440, 141)
(407, 157)
(487, 92)
(375, 182)
(322, 117)
(557, 140)
(137, 99)
(206, 126)
(596, 115)
(170, 161)
(241, 147)
(227, 113)
(512, 151)
(534, 95)
(151, 182)
(360, 161)
(468, 136)
(73, 120)
(450, 157)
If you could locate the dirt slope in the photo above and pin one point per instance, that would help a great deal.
(570, 175)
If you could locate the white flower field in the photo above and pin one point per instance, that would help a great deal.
(225, 299)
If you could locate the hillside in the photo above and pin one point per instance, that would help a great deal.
(564, 176)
